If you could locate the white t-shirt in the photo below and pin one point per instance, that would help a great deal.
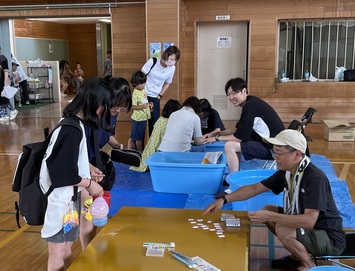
(183, 125)
(157, 77)
(23, 75)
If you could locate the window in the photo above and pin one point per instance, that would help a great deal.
(316, 46)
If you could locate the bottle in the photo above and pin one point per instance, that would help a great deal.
(306, 75)
(283, 75)
(341, 75)
(46, 85)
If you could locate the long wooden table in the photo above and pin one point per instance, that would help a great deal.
(119, 245)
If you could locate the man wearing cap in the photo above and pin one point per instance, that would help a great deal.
(309, 222)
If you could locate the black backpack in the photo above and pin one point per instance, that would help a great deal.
(32, 203)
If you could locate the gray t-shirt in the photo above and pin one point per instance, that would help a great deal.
(183, 125)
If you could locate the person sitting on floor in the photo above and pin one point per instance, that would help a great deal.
(183, 126)
(309, 222)
(258, 119)
(210, 119)
(157, 134)
(65, 76)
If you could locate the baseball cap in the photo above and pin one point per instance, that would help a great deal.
(14, 63)
(289, 137)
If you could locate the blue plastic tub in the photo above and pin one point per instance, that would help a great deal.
(329, 268)
(245, 177)
(183, 173)
(217, 146)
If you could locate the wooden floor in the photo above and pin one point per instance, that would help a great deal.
(24, 250)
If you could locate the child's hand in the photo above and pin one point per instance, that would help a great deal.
(146, 105)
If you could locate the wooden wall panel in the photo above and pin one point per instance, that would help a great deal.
(162, 25)
(129, 40)
(292, 99)
(40, 30)
(82, 48)
(129, 43)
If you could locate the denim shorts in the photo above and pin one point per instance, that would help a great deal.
(138, 130)
(70, 236)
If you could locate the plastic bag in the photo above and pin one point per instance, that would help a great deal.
(99, 210)
(338, 70)
(313, 78)
(211, 157)
(71, 218)
(9, 92)
(96, 211)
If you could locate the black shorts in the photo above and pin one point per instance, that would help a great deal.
(255, 149)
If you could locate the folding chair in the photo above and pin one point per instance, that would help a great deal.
(300, 125)
(348, 253)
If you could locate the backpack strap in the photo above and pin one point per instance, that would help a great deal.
(154, 62)
(65, 121)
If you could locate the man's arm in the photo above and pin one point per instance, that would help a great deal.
(226, 132)
(225, 135)
(306, 220)
(243, 193)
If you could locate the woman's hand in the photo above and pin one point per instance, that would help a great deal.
(95, 189)
(96, 174)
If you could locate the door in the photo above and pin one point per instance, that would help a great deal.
(222, 50)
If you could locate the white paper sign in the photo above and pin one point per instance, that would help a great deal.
(224, 42)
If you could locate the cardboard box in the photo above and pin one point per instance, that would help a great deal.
(338, 130)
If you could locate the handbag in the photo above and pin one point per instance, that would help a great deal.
(349, 75)
(9, 92)
(105, 164)
(126, 156)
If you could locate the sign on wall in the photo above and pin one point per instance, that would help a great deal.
(224, 42)
(155, 49)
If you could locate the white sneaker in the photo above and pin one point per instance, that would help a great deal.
(4, 118)
(13, 114)
(63, 95)
(19, 105)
